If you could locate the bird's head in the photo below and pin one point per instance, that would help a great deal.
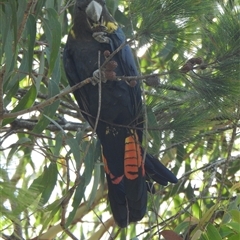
(97, 15)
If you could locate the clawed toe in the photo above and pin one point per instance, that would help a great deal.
(101, 37)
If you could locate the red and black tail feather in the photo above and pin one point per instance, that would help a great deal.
(128, 192)
(158, 172)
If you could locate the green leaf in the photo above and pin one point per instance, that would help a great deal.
(37, 185)
(21, 7)
(26, 102)
(225, 231)
(40, 75)
(45, 183)
(49, 111)
(234, 204)
(58, 144)
(234, 226)
(235, 215)
(213, 233)
(235, 237)
(49, 217)
(112, 6)
(79, 193)
(53, 34)
(49, 4)
(197, 235)
(49, 180)
(15, 147)
(96, 177)
(56, 73)
(75, 150)
(89, 161)
(21, 73)
(4, 28)
(226, 217)
(15, 19)
(204, 220)
(182, 227)
(55, 123)
(56, 204)
(31, 29)
(9, 53)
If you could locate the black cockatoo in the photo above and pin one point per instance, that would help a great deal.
(120, 122)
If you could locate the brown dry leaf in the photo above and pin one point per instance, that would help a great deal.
(170, 235)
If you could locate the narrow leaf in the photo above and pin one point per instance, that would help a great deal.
(53, 34)
(235, 215)
(235, 237)
(49, 181)
(89, 161)
(31, 28)
(212, 232)
(96, 177)
(49, 111)
(74, 148)
(196, 235)
(76, 200)
(26, 102)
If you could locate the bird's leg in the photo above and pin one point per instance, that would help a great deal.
(101, 37)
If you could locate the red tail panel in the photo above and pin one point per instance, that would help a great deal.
(133, 159)
(114, 179)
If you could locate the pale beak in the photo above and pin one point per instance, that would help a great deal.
(94, 11)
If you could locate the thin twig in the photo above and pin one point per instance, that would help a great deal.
(70, 234)
(24, 20)
(64, 209)
(163, 223)
(49, 101)
(99, 94)
(210, 165)
(143, 77)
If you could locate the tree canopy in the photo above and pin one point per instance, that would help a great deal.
(52, 181)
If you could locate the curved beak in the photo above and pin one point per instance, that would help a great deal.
(94, 11)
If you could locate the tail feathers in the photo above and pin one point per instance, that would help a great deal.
(158, 172)
(117, 201)
(125, 207)
(136, 194)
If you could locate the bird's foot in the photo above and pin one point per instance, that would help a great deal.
(98, 76)
(106, 73)
(101, 37)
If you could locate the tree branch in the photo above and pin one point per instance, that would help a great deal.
(47, 102)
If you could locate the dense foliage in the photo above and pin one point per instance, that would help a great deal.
(52, 182)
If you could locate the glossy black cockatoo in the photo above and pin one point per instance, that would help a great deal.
(120, 122)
